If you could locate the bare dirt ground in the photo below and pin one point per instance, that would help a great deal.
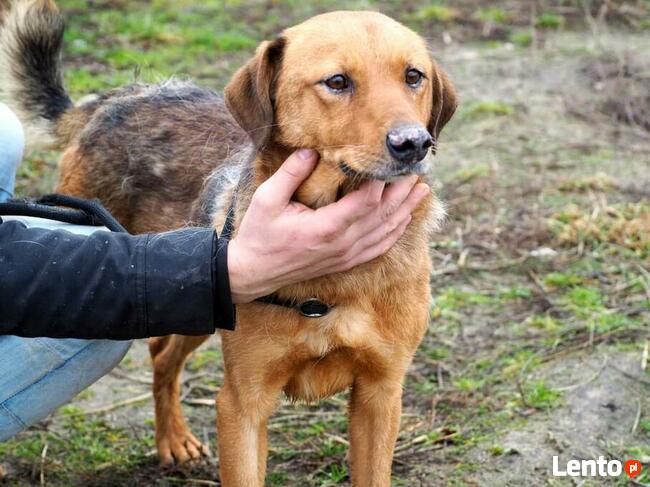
(538, 344)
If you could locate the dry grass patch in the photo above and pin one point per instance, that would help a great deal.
(626, 225)
(598, 182)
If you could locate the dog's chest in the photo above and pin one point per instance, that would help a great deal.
(344, 327)
(327, 353)
(323, 354)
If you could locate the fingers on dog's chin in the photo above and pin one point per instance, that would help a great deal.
(395, 234)
(375, 191)
(417, 195)
(411, 179)
(422, 189)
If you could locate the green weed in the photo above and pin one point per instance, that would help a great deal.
(204, 358)
(466, 384)
(596, 182)
(493, 15)
(488, 108)
(644, 427)
(540, 396)
(549, 21)
(331, 448)
(521, 38)
(277, 478)
(561, 280)
(436, 12)
(471, 173)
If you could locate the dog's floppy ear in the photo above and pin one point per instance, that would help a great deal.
(445, 102)
(250, 93)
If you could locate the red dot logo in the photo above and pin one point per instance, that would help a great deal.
(632, 468)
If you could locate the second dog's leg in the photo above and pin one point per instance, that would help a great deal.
(242, 435)
(174, 440)
(375, 408)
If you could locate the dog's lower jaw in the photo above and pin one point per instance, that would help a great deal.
(389, 173)
(331, 181)
(322, 186)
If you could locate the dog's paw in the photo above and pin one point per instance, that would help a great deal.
(180, 446)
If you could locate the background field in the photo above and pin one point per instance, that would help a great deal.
(539, 334)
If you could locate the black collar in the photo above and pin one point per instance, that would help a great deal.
(311, 308)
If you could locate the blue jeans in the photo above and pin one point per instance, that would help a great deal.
(12, 141)
(37, 375)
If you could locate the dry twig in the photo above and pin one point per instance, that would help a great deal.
(637, 418)
(191, 481)
(338, 439)
(115, 405)
(138, 380)
(42, 474)
(588, 381)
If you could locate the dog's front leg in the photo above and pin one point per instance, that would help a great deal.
(375, 408)
(174, 440)
(242, 436)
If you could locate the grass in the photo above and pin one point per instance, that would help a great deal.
(434, 12)
(335, 474)
(627, 226)
(597, 182)
(521, 38)
(90, 446)
(468, 174)
(203, 358)
(549, 21)
(540, 396)
(562, 280)
(488, 108)
(494, 15)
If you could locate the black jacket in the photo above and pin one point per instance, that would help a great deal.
(112, 285)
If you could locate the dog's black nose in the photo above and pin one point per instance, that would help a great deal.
(408, 143)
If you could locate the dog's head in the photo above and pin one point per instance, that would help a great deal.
(358, 87)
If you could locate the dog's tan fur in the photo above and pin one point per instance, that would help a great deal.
(147, 152)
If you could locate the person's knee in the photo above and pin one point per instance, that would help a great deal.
(52, 372)
(111, 353)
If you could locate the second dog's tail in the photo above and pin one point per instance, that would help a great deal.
(31, 79)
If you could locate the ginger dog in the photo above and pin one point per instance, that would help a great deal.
(358, 87)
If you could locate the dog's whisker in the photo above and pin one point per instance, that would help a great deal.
(341, 146)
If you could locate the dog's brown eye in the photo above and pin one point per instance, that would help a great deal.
(413, 77)
(338, 82)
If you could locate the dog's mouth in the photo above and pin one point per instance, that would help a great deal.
(386, 172)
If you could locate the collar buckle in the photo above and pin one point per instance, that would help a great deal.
(313, 308)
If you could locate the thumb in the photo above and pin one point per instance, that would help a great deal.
(285, 181)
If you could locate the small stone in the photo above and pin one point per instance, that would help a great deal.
(543, 253)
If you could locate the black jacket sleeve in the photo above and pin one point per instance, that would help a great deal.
(112, 285)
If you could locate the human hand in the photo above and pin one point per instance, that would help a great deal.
(282, 242)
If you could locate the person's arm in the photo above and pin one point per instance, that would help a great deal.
(111, 285)
(117, 286)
